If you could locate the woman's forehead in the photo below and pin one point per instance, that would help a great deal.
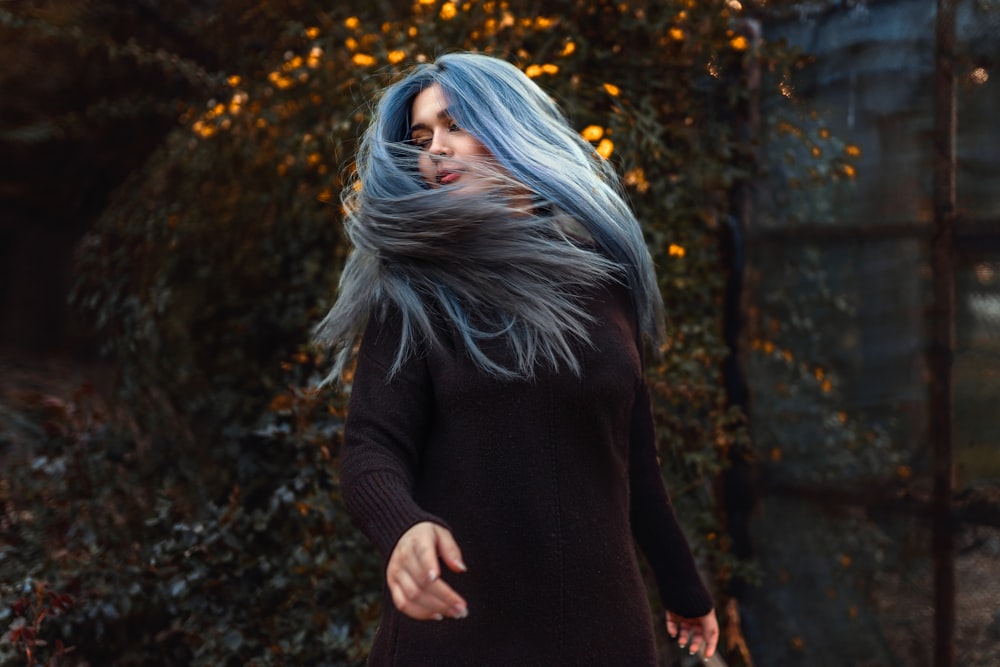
(429, 106)
(431, 98)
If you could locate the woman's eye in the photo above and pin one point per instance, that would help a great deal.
(420, 142)
(453, 127)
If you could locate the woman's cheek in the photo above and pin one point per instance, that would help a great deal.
(427, 171)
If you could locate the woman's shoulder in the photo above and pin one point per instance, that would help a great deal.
(394, 335)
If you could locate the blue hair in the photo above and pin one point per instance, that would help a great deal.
(396, 223)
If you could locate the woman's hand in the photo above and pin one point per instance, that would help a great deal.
(414, 577)
(695, 632)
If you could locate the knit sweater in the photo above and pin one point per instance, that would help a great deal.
(544, 483)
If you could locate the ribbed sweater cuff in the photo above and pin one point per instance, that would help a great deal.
(383, 510)
(691, 601)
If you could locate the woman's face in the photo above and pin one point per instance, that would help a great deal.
(449, 155)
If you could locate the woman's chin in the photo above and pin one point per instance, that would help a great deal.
(468, 187)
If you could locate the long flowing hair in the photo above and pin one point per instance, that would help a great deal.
(486, 266)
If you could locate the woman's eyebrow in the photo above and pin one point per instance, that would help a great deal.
(442, 115)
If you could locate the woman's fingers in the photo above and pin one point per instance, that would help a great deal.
(686, 637)
(695, 633)
(405, 596)
(424, 558)
(449, 550)
(439, 600)
(694, 640)
(706, 630)
(413, 574)
(437, 596)
(422, 603)
(710, 628)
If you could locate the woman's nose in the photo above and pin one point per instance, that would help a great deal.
(439, 144)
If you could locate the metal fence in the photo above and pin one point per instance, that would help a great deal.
(872, 342)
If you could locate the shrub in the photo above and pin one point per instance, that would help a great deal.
(202, 524)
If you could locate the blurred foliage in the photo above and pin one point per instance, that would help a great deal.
(198, 522)
(143, 562)
(812, 434)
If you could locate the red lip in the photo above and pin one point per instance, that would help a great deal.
(446, 177)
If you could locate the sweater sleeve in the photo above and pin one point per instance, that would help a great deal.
(654, 523)
(388, 420)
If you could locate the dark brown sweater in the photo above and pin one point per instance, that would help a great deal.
(543, 483)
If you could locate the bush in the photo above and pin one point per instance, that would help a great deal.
(201, 523)
(134, 562)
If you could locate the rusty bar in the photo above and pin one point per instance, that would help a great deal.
(978, 507)
(822, 233)
(942, 333)
(964, 229)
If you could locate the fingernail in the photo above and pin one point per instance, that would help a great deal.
(438, 617)
(433, 576)
(459, 611)
(461, 565)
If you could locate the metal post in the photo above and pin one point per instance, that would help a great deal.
(942, 333)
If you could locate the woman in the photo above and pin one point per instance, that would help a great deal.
(498, 415)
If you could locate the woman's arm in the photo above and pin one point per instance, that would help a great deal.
(388, 420)
(387, 424)
(654, 524)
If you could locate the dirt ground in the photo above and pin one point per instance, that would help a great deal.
(907, 605)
